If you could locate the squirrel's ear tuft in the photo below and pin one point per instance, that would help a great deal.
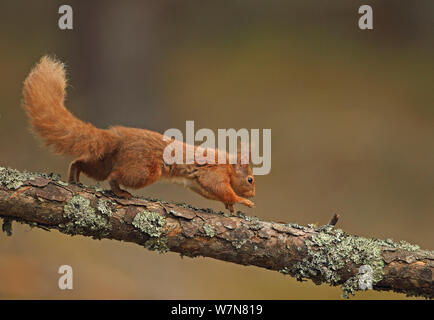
(241, 168)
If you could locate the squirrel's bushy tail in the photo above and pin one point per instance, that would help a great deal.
(43, 100)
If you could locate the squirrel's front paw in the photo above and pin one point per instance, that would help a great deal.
(248, 203)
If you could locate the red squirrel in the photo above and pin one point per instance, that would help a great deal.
(124, 156)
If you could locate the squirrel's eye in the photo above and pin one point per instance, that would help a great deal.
(250, 180)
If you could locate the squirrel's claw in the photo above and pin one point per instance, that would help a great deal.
(248, 203)
(230, 207)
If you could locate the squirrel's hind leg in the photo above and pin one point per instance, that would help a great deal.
(74, 171)
(114, 184)
(135, 177)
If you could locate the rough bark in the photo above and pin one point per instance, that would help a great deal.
(323, 254)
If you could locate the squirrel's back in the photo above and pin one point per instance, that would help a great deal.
(43, 99)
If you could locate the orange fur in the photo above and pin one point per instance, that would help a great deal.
(123, 156)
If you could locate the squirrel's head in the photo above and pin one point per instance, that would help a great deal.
(242, 181)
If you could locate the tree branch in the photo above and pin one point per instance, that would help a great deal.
(322, 254)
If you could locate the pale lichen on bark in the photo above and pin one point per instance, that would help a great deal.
(84, 218)
(331, 250)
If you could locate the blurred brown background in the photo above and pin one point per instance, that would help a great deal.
(351, 114)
